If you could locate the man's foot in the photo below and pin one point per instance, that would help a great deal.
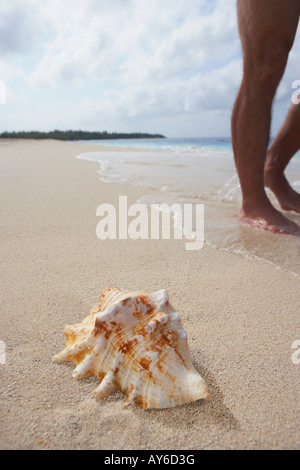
(288, 198)
(266, 217)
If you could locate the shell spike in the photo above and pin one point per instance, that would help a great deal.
(70, 352)
(106, 387)
(160, 297)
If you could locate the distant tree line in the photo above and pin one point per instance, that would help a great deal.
(77, 135)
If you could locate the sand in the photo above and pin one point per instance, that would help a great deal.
(241, 317)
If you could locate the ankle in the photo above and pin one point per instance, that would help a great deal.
(253, 204)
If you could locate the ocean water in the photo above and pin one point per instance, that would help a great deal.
(199, 171)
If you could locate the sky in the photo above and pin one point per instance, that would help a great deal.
(158, 66)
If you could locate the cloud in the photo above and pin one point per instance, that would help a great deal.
(124, 64)
(187, 46)
(201, 104)
(8, 70)
(135, 41)
(19, 27)
(149, 59)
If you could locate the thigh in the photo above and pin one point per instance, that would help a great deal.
(267, 26)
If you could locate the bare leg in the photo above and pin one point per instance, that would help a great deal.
(284, 146)
(267, 29)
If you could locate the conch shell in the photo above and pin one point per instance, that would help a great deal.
(135, 342)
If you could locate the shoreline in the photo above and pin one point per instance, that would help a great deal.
(200, 177)
(241, 317)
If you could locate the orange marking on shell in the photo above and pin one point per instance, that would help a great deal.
(101, 327)
(145, 363)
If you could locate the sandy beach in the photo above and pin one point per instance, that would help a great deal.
(241, 317)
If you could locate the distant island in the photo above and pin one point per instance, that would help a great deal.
(77, 135)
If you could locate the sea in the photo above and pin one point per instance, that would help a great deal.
(199, 171)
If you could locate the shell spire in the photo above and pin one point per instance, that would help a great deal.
(135, 342)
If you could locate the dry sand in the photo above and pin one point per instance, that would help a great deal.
(241, 317)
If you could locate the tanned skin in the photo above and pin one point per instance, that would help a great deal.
(267, 30)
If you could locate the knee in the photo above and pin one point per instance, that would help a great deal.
(263, 73)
